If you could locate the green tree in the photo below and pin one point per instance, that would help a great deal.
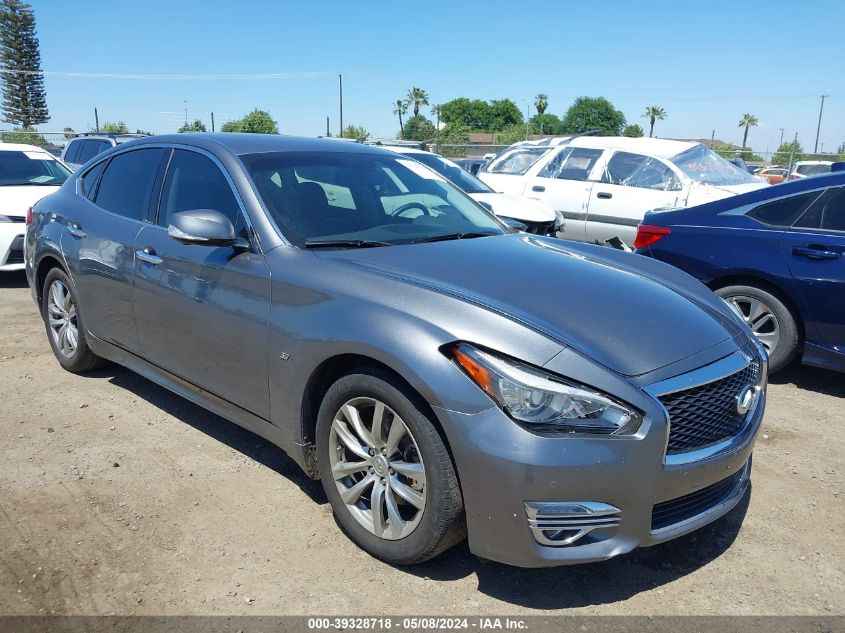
(593, 113)
(474, 114)
(69, 133)
(747, 121)
(545, 124)
(118, 127)
(504, 114)
(25, 135)
(24, 98)
(232, 126)
(400, 108)
(792, 150)
(453, 134)
(259, 122)
(633, 131)
(354, 131)
(195, 126)
(137, 131)
(418, 98)
(418, 128)
(510, 135)
(541, 102)
(653, 113)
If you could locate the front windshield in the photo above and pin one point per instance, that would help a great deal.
(704, 165)
(33, 168)
(459, 177)
(354, 199)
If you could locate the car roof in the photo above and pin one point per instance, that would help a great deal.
(240, 143)
(663, 148)
(21, 147)
(812, 162)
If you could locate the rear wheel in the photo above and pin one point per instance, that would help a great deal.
(64, 325)
(386, 471)
(768, 317)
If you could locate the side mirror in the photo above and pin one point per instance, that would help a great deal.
(516, 225)
(203, 226)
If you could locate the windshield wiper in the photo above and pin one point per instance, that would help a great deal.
(455, 236)
(344, 243)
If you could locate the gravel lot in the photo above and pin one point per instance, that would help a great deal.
(118, 497)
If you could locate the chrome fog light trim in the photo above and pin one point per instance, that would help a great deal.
(562, 523)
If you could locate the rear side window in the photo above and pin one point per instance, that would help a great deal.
(784, 211)
(72, 152)
(194, 182)
(88, 181)
(834, 213)
(127, 182)
(636, 170)
(87, 151)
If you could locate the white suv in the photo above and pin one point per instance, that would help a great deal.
(603, 185)
(27, 174)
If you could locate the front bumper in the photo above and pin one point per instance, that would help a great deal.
(503, 467)
(11, 246)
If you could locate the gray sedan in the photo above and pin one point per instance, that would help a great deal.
(441, 374)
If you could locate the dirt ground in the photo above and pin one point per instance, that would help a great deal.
(117, 497)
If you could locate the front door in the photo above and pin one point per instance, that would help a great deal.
(202, 311)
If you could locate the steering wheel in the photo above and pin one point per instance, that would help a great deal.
(410, 205)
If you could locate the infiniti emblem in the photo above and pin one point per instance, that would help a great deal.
(746, 399)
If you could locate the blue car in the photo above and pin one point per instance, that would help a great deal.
(776, 256)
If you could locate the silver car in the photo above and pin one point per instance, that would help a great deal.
(441, 374)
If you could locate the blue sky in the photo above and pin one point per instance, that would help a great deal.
(706, 63)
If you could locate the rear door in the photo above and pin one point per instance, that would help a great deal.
(98, 239)
(564, 184)
(815, 250)
(630, 184)
(203, 311)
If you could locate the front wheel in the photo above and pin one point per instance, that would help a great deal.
(769, 319)
(386, 471)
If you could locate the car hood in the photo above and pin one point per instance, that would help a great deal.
(516, 207)
(16, 200)
(627, 312)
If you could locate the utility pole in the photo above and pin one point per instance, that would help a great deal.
(819, 127)
(340, 86)
(212, 121)
(96, 121)
(781, 137)
(821, 149)
(713, 136)
(328, 133)
(527, 114)
(186, 111)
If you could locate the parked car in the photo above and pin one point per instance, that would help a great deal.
(537, 217)
(775, 175)
(27, 173)
(85, 146)
(440, 374)
(807, 168)
(472, 165)
(776, 256)
(603, 185)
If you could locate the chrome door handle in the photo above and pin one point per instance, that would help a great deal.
(150, 258)
(76, 230)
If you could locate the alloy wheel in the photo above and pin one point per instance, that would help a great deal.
(61, 315)
(377, 468)
(759, 318)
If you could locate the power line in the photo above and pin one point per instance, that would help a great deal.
(92, 75)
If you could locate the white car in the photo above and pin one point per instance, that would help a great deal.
(539, 218)
(27, 174)
(807, 168)
(603, 185)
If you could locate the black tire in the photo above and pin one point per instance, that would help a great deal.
(787, 347)
(442, 522)
(82, 359)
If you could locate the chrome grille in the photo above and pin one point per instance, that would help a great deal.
(707, 414)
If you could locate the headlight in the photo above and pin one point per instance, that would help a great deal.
(560, 221)
(543, 402)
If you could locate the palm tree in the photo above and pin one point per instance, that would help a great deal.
(418, 97)
(400, 108)
(747, 121)
(654, 113)
(541, 102)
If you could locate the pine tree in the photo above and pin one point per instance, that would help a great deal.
(24, 99)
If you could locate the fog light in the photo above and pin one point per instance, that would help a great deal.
(562, 523)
